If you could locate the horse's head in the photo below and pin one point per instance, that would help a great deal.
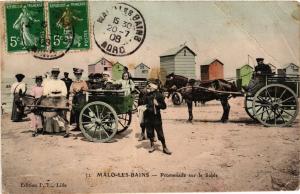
(169, 81)
(25, 101)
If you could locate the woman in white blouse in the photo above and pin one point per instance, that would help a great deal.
(17, 89)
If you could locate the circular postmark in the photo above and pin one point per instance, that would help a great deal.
(120, 31)
(49, 53)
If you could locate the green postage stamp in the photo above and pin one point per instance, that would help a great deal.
(67, 27)
(25, 27)
(69, 22)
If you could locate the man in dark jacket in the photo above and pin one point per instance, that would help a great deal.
(262, 68)
(258, 79)
(154, 101)
(68, 82)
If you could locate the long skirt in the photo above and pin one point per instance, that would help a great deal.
(77, 104)
(17, 110)
(55, 121)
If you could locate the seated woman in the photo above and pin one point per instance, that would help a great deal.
(77, 96)
(127, 84)
(35, 117)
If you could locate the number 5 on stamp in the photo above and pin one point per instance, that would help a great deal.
(69, 24)
(25, 29)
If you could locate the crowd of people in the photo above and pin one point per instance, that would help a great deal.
(67, 94)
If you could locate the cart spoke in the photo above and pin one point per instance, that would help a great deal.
(269, 94)
(259, 109)
(269, 117)
(87, 116)
(287, 99)
(286, 112)
(91, 111)
(262, 116)
(88, 127)
(275, 117)
(97, 111)
(285, 105)
(122, 124)
(105, 131)
(94, 132)
(282, 93)
(281, 116)
(261, 112)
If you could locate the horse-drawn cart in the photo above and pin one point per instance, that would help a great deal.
(275, 101)
(107, 112)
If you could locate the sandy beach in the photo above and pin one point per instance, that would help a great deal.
(241, 155)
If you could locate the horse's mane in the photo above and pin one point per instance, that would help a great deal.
(176, 76)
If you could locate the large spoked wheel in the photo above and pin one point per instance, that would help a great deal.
(275, 105)
(124, 121)
(98, 121)
(248, 105)
(177, 98)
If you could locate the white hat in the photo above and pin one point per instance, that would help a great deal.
(55, 69)
(152, 85)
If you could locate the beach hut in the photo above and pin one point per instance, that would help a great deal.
(179, 60)
(100, 66)
(141, 71)
(117, 71)
(212, 70)
(291, 69)
(244, 75)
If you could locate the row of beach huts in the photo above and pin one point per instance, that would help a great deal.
(181, 61)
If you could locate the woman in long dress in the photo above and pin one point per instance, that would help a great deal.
(77, 96)
(35, 118)
(54, 95)
(18, 89)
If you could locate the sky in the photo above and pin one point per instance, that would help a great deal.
(228, 31)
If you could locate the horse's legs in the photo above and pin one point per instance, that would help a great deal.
(190, 108)
(226, 109)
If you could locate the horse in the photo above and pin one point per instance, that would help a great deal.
(174, 82)
(203, 91)
(46, 107)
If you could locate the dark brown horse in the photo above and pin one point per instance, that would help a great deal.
(202, 91)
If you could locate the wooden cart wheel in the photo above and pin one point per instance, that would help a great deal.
(248, 105)
(124, 121)
(275, 105)
(98, 121)
(177, 98)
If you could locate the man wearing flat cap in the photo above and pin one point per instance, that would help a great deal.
(259, 76)
(154, 101)
(262, 68)
(68, 82)
(17, 89)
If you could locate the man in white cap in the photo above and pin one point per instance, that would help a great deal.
(154, 101)
(106, 79)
